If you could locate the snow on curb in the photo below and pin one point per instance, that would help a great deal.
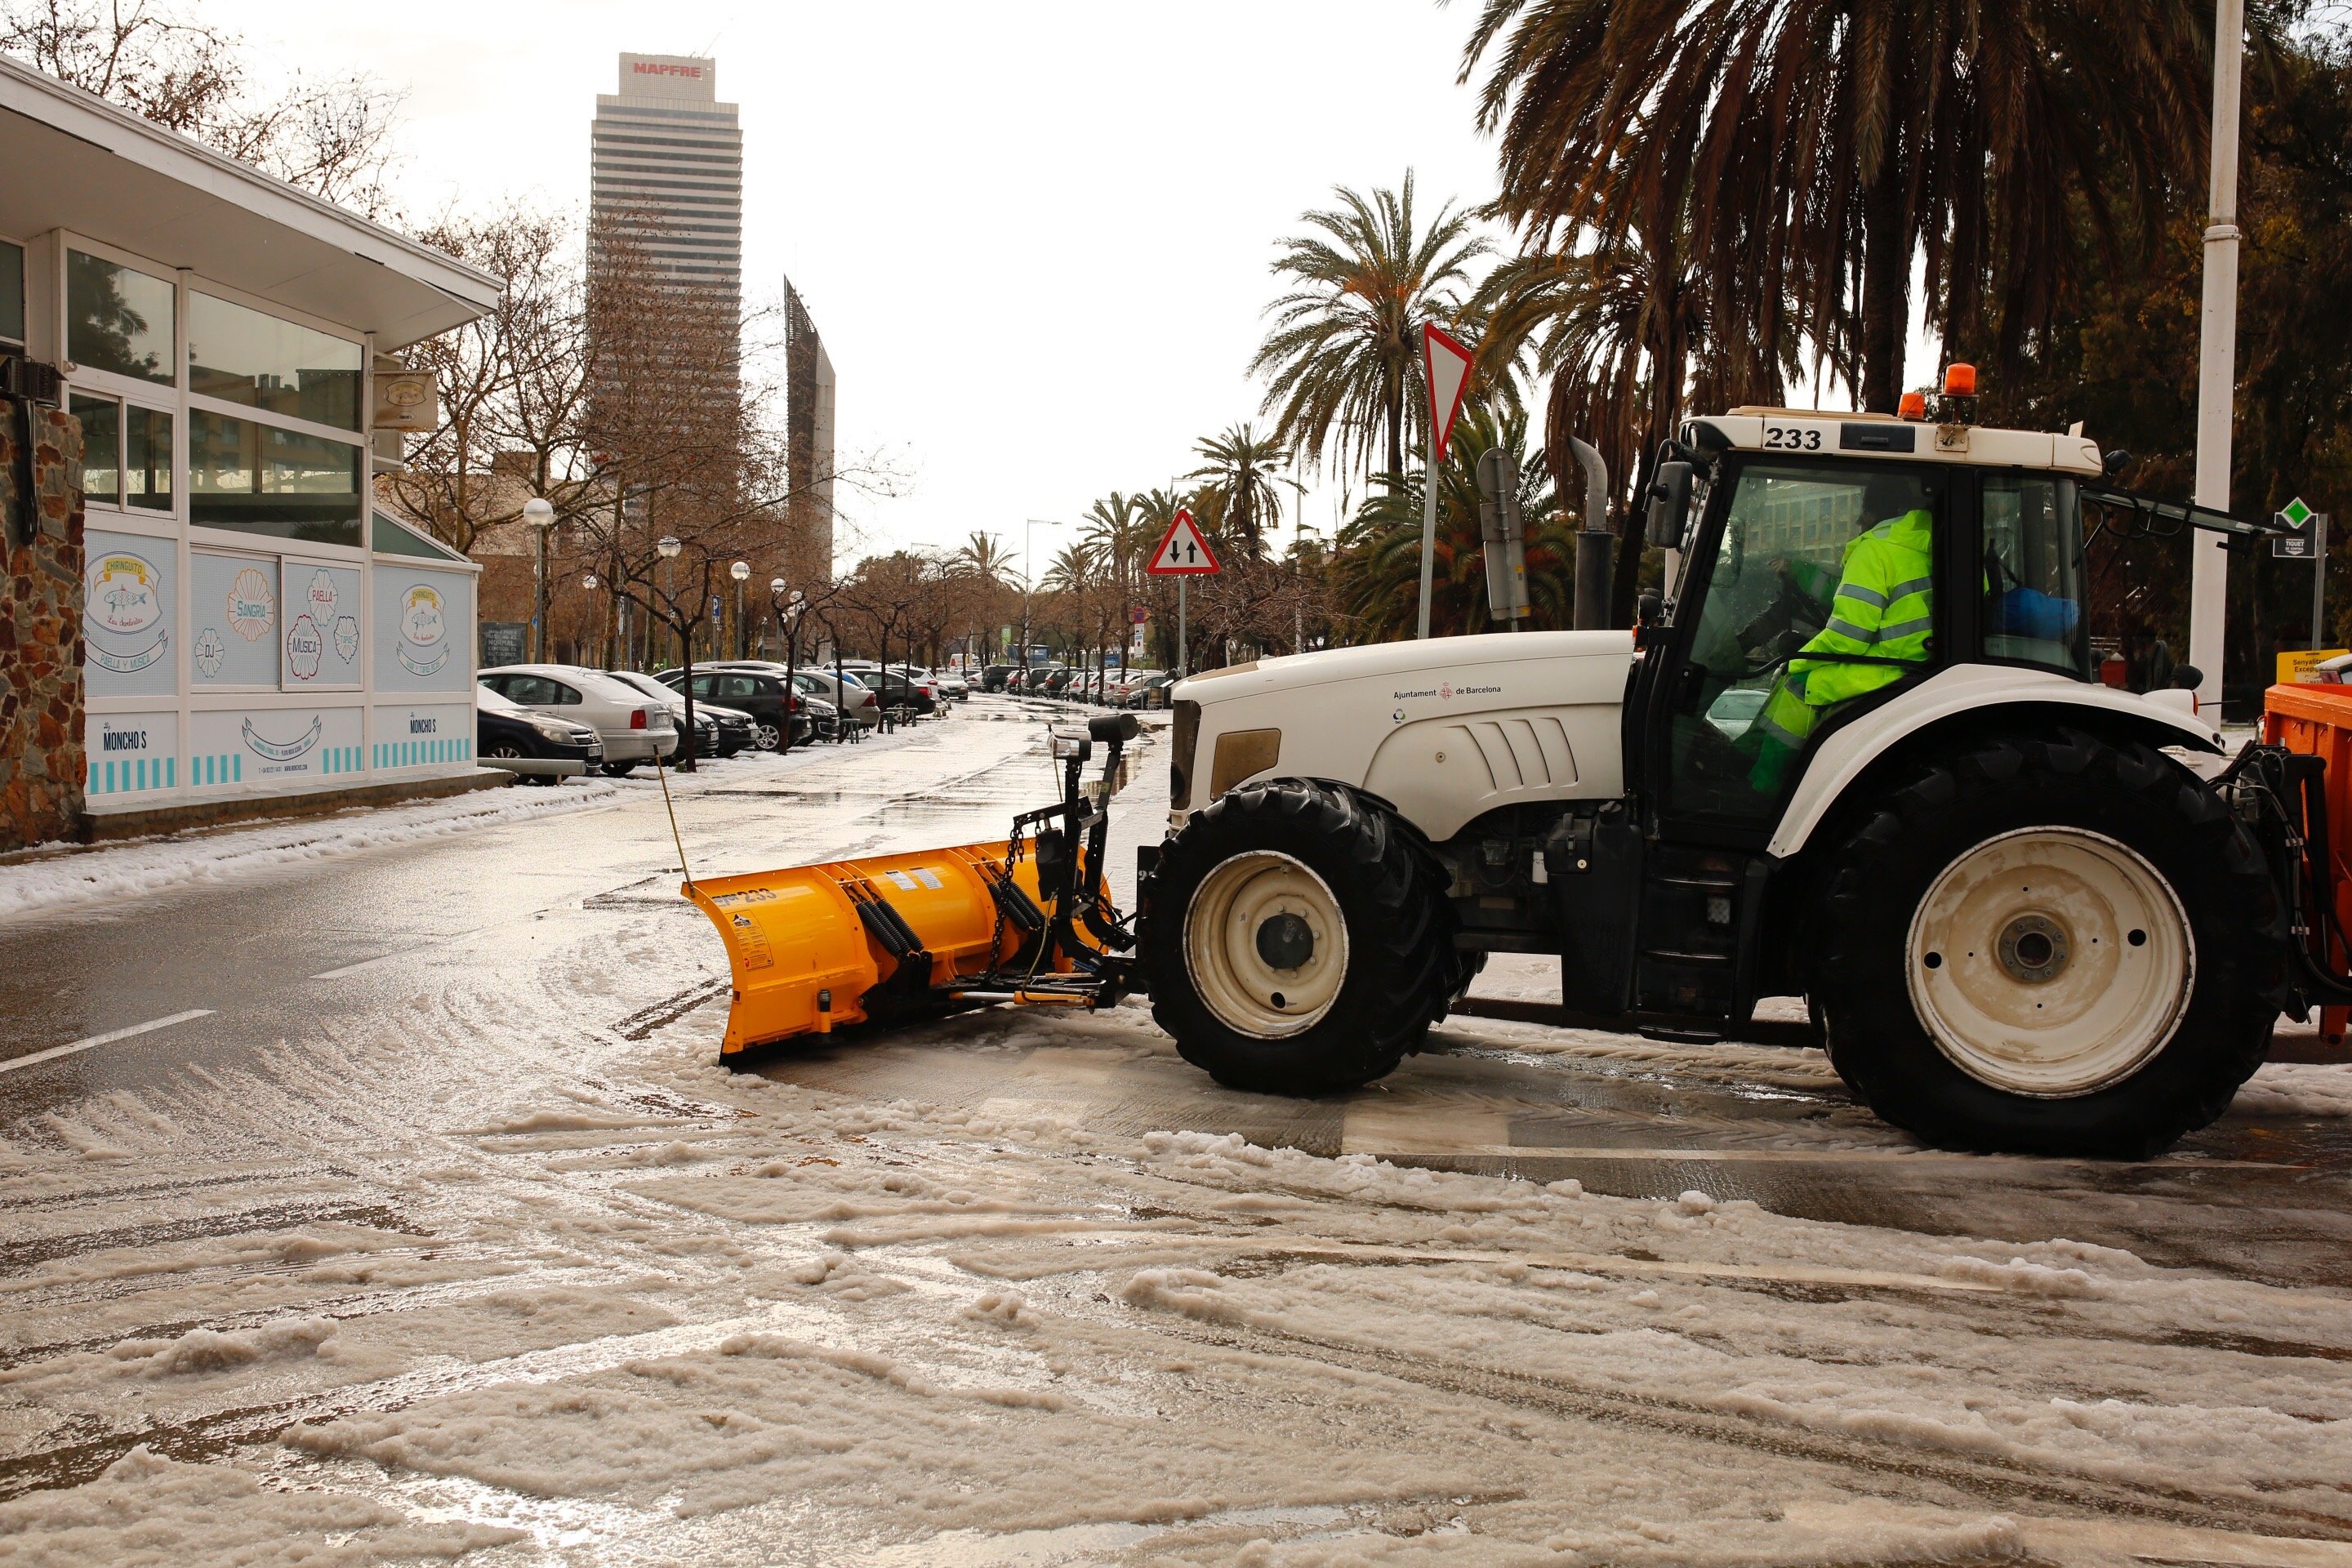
(155, 865)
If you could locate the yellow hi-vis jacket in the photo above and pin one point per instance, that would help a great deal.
(1883, 608)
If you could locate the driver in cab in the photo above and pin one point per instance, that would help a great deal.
(1881, 609)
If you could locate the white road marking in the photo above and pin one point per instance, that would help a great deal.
(107, 1038)
(369, 963)
(1805, 1156)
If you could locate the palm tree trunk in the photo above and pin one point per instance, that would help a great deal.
(1885, 288)
(1396, 427)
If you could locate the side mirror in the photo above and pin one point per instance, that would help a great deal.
(1670, 496)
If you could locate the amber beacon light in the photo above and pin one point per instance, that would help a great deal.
(1959, 381)
(1913, 406)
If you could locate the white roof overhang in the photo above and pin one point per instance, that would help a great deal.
(77, 162)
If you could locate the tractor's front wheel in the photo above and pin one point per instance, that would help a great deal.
(1293, 942)
(2054, 945)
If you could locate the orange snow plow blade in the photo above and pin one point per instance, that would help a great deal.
(806, 959)
(890, 937)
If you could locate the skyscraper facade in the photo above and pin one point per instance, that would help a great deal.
(665, 170)
(808, 432)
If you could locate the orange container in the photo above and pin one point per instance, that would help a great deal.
(2317, 722)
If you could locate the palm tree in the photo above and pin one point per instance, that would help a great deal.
(1631, 336)
(1814, 147)
(1378, 556)
(1114, 528)
(1071, 572)
(981, 554)
(1344, 353)
(1241, 464)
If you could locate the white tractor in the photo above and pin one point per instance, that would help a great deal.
(2021, 921)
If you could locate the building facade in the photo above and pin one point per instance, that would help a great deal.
(250, 625)
(808, 439)
(666, 168)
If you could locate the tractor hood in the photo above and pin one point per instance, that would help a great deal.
(1445, 730)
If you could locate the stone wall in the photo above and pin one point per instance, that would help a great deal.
(41, 759)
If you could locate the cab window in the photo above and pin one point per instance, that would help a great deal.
(1818, 595)
(739, 686)
(2033, 575)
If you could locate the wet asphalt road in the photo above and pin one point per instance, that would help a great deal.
(419, 1100)
(351, 943)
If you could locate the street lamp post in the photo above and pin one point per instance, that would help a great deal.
(668, 547)
(588, 581)
(741, 573)
(788, 617)
(2217, 353)
(541, 516)
(1028, 585)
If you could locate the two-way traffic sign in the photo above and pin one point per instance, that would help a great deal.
(1183, 551)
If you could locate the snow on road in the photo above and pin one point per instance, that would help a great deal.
(504, 1269)
(65, 878)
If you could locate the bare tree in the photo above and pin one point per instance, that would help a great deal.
(512, 381)
(331, 136)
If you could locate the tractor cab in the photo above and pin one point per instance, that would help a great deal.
(1833, 581)
(1825, 564)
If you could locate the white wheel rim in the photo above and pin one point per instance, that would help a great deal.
(2050, 962)
(1231, 953)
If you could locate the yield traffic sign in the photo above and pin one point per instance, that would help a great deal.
(1446, 365)
(1183, 551)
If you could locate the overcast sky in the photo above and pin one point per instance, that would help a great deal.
(1034, 236)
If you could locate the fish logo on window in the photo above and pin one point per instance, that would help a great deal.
(423, 629)
(124, 599)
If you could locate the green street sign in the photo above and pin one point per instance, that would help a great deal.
(2296, 513)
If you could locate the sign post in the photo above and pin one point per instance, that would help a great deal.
(2308, 542)
(1183, 553)
(1446, 367)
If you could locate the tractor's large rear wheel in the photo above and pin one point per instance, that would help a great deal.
(1294, 942)
(2051, 944)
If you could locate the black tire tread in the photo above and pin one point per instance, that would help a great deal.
(1402, 968)
(2242, 929)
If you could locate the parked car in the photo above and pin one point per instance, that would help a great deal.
(922, 680)
(893, 686)
(952, 685)
(762, 695)
(633, 727)
(861, 698)
(540, 747)
(994, 677)
(899, 691)
(1150, 692)
(1126, 683)
(732, 730)
(850, 694)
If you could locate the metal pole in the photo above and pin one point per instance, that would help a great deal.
(1428, 526)
(2209, 592)
(538, 602)
(1183, 586)
(2319, 580)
